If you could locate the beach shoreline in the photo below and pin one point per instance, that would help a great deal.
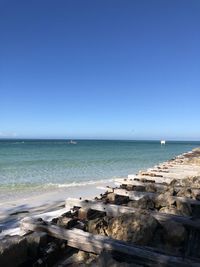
(12, 211)
(163, 197)
(51, 199)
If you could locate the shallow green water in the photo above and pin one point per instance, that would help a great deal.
(53, 163)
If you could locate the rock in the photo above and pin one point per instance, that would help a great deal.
(174, 233)
(185, 192)
(164, 200)
(13, 251)
(173, 182)
(197, 196)
(184, 208)
(66, 222)
(83, 213)
(105, 259)
(81, 258)
(192, 181)
(136, 227)
(34, 242)
(98, 226)
(151, 188)
(116, 199)
(170, 210)
(111, 197)
(86, 213)
(145, 202)
(170, 191)
(139, 188)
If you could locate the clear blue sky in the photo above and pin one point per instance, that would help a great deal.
(127, 69)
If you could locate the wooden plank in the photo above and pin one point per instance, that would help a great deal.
(139, 183)
(116, 210)
(149, 178)
(97, 244)
(175, 175)
(159, 186)
(135, 195)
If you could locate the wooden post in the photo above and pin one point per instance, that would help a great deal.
(116, 210)
(97, 244)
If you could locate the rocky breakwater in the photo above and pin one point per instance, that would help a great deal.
(150, 219)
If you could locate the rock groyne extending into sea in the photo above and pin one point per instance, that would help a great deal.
(148, 219)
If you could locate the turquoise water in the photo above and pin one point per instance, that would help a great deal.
(43, 163)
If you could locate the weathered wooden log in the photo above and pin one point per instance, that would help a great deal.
(126, 181)
(116, 210)
(97, 244)
(159, 186)
(175, 175)
(149, 178)
(135, 195)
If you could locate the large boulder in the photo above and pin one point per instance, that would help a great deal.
(151, 188)
(170, 210)
(13, 251)
(138, 227)
(106, 259)
(115, 199)
(184, 208)
(98, 226)
(145, 202)
(185, 192)
(139, 188)
(174, 233)
(164, 200)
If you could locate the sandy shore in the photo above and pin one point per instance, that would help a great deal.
(154, 213)
(12, 211)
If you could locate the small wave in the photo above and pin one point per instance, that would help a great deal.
(76, 184)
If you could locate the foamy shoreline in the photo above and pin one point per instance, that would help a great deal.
(12, 211)
(40, 202)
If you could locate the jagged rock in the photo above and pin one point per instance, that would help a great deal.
(98, 226)
(13, 251)
(34, 242)
(139, 188)
(105, 259)
(184, 208)
(197, 197)
(192, 181)
(164, 200)
(116, 199)
(170, 210)
(170, 191)
(128, 187)
(173, 182)
(80, 259)
(174, 233)
(185, 192)
(151, 188)
(66, 222)
(137, 227)
(145, 202)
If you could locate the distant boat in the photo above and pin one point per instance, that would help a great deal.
(72, 142)
(162, 142)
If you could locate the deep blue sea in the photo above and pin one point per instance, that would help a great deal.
(53, 163)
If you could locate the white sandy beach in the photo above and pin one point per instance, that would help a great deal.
(12, 211)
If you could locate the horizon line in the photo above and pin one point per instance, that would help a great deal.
(95, 139)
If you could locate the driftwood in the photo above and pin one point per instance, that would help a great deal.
(125, 181)
(175, 175)
(97, 244)
(135, 195)
(159, 186)
(150, 178)
(115, 210)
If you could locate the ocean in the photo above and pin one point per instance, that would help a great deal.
(31, 165)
